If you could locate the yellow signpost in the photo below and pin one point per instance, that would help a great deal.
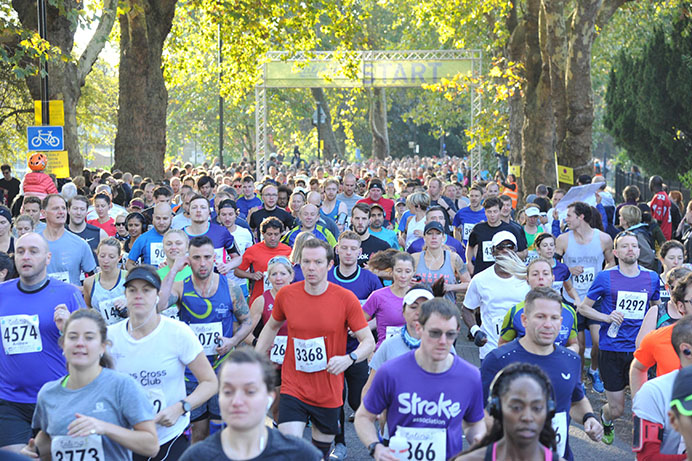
(58, 161)
(56, 113)
(565, 174)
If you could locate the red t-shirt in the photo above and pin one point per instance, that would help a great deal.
(660, 211)
(108, 226)
(328, 316)
(257, 256)
(386, 203)
(656, 349)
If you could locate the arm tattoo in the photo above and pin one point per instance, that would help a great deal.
(239, 304)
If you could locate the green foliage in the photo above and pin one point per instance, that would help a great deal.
(97, 115)
(648, 110)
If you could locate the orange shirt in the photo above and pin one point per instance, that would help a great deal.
(257, 256)
(327, 315)
(656, 349)
(108, 226)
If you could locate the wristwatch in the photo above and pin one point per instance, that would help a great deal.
(372, 446)
(186, 407)
(354, 357)
(589, 415)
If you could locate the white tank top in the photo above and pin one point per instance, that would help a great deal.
(590, 256)
(102, 299)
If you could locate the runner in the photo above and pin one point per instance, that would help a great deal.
(435, 261)
(437, 214)
(377, 223)
(348, 194)
(105, 291)
(363, 284)
(421, 394)
(494, 292)
(316, 314)
(270, 195)
(77, 210)
(521, 419)
(258, 255)
(332, 207)
(369, 244)
(543, 319)
(467, 217)
(149, 246)
(309, 214)
(626, 292)
(70, 255)
(417, 203)
(29, 337)
(562, 278)
(93, 410)
(249, 202)
(136, 224)
(209, 306)
(375, 191)
(175, 243)
(654, 434)
(246, 390)
(585, 250)
(155, 350)
(680, 412)
(102, 205)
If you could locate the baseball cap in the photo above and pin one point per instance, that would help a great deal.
(681, 397)
(532, 211)
(144, 273)
(377, 205)
(137, 204)
(375, 184)
(433, 225)
(502, 236)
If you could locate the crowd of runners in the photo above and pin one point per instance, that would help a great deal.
(217, 315)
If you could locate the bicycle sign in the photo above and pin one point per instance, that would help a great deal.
(45, 138)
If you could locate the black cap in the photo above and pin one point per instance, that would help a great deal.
(433, 225)
(681, 397)
(377, 205)
(146, 273)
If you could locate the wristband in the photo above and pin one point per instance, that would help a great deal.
(474, 330)
(254, 342)
(587, 416)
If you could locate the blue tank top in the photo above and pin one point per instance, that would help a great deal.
(194, 310)
(334, 214)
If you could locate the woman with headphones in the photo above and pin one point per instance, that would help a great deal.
(522, 408)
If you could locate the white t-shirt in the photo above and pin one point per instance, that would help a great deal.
(157, 362)
(495, 296)
(243, 240)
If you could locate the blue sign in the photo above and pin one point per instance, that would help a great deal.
(44, 138)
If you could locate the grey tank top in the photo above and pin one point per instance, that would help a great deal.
(590, 256)
(430, 276)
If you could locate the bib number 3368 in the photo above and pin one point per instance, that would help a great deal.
(310, 354)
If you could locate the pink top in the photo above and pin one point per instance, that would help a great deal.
(38, 185)
(387, 308)
(267, 312)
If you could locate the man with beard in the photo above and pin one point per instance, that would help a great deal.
(360, 222)
(209, 304)
(91, 234)
(377, 228)
(626, 292)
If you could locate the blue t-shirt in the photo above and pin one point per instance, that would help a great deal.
(466, 218)
(632, 296)
(401, 225)
(220, 237)
(361, 283)
(388, 236)
(244, 205)
(417, 246)
(147, 245)
(30, 355)
(563, 367)
(513, 328)
(561, 274)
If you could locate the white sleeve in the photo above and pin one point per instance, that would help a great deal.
(472, 300)
(189, 346)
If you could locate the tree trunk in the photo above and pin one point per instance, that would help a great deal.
(378, 123)
(538, 162)
(515, 51)
(576, 149)
(555, 52)
(331, 147)
(140, 144)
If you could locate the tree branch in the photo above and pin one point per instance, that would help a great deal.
(607, 10)
(13, 113)
(98, 41)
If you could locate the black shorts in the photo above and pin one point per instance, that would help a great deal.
(326, 420)
(15, 422)
(615, 369)
(584, 323)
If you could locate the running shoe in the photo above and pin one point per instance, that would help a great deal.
(339, 452)
(608, 431)
(596, 381)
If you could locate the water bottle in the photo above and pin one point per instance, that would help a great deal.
(398, 446)
(613, 330)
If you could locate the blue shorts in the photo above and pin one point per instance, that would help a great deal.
(208, 410)
(15, 422)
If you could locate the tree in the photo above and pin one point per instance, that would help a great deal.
(647, 102)
(67, 76)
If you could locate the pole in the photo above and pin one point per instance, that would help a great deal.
(319, 117)
(41, 10)
(220, 100)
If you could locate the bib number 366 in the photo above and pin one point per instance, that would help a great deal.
(310, 354)
(425, 444)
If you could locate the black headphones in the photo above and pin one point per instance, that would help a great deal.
(687, 352)
(494, 402)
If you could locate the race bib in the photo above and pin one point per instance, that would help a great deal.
(557, 286)
(278, 349)
(157, 254)
(583, 281)
(157, 398)
(532, 255)
(220, 256)
(20, 334)
(68, 448)
(492, 326)
(488, 252)
(108, 311)
(392, 331)
(632, 304)
(468, 227)
(63, 276)
(424, 444)
(171, 312)
(560, 427)
(310, 354)
(664, 294)
(266, 282)
(207, 333)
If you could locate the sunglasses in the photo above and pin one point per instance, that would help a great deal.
(119, 224)
(449, 335)
(506, 246)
